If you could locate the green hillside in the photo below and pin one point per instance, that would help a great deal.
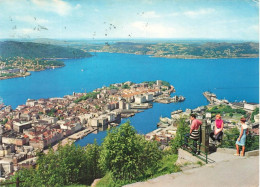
(31, 50)
(183, 50)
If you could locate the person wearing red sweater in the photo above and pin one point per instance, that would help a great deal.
(194, 131)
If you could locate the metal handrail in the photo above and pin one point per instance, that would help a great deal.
(192, 147)
(200, 156)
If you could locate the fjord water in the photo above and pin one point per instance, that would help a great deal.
(232, 79)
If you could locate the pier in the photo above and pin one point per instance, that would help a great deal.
(82, 134)
(209, 96)
(212, 98)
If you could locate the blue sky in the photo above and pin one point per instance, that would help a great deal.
(176, 19)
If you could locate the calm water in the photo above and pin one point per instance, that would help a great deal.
(233, 79)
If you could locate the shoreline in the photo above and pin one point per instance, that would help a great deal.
(29, 73)
(109, 112)
(154, 56)
(17, 76)
(151, 56)
(52, 67)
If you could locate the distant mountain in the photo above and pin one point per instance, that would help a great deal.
(38, 50)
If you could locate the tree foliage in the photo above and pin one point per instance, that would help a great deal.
(221, 109)
(4, 121)
(182, 129)
(255, 112)
(124, 156)
(125, 86)
(92, 95)
(230, 138)
(127, 155)
(231, 135)
(30, 50)
(51, 112)
(183, 49)
(70, 164)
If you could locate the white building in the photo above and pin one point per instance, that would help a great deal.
(149, 97)
(31, 102)
(140, 99)
(85, 118)
(250, 106)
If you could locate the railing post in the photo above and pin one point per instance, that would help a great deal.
(17, 182)
(205, 128)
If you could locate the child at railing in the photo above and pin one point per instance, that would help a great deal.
(242, 137)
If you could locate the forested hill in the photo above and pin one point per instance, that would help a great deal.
(37, 50)
(183, 50)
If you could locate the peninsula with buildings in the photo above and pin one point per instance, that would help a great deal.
(41, 123)
(17, 59)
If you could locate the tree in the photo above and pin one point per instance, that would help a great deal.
(182, 129)
(126, 155)
(70, 164)
(255, 112)
(230, 138)
(252, 142)
(231, 135)
(93, 156)
(125, 86)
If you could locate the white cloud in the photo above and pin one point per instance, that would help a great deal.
(78, 6)
(173, 14)
(199, 12)
(155, 30)
(25, 31)
(30, 19)
(58, 6)
(151, 14)
(254, 28)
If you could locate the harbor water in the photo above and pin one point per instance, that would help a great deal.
(232, 79)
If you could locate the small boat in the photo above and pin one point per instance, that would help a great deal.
(82, 69)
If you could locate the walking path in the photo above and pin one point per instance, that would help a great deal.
(227, 170)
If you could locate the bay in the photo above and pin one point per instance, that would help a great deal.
(232, 79)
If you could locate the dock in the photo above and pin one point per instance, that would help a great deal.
(212, 98)
(209, 96)
(82, 134)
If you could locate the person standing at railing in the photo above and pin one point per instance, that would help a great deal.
(218, 129)
(242, 137)
(194, 131)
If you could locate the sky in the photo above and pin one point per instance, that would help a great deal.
(108, 19)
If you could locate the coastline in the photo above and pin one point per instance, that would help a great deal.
(101, 114)
(171, 57)
(17, 76)
(29, 73)
(150, 55)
